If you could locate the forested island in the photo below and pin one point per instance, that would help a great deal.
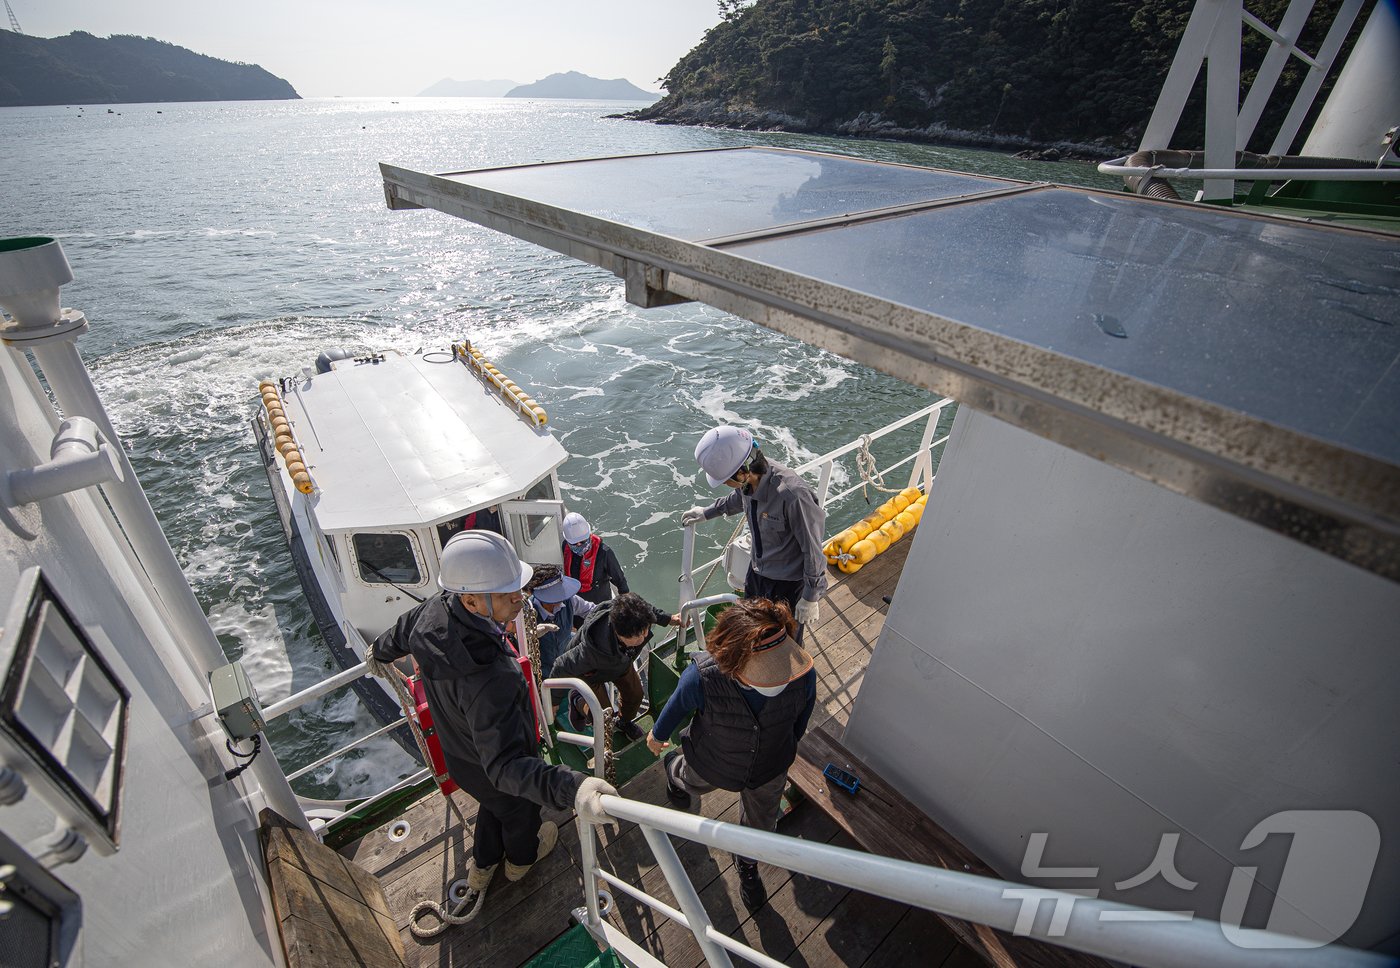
(1081, 74)
(83, 69)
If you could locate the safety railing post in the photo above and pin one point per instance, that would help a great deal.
(684, 890)
(595, 708)
(923, 466)
(588, 850)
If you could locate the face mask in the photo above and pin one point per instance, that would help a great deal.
(580, 548)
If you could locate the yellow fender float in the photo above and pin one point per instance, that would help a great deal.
(283, 440)
(862, 542)
(506, 387)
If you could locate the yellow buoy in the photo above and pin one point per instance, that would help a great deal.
(865, 550)
(908, 520)
(303, 482)
(893, 530)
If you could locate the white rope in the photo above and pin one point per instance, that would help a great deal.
(445, 917)
(869, 470)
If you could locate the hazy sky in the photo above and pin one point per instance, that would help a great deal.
(400, 47)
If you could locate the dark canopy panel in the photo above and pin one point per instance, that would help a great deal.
(1252, 363)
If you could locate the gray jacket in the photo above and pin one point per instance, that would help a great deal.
(789, 523)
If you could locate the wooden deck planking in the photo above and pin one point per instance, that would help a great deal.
(521, 918)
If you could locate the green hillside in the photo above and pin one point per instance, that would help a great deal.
(83, 69)
(980, 71)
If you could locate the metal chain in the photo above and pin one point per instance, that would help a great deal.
(609, 765)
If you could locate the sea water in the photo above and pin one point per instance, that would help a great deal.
(217, 244)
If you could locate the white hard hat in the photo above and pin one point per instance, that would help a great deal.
(483, 563)
(576, 528)
(722, 452)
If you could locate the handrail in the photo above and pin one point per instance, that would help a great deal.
(403, 784)
(1110, 929)
(595, 708)
(299, 699)
(353, 744)
(1120, 166)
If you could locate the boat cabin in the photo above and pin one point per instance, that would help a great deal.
(400, 452)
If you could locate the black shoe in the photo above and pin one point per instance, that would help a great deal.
(751, 889)
(676, 793)
(629, 730)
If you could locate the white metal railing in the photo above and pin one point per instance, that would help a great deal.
(595, 709)
(1120, 166)
(1122, 932)
(921, 475)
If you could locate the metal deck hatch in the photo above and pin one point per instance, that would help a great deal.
(1249, 362)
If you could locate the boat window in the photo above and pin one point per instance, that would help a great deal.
(386, 559)
(536, 537)
(543, 490)
(486, 519)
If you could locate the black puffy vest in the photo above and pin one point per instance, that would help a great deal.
(729, 746)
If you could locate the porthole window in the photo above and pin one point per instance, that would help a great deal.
(386, 558)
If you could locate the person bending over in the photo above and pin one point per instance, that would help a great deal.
(605, 647)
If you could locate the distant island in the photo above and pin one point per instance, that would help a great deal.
(582, 87)
(83, 69)
(447, 87)
(1006, 74)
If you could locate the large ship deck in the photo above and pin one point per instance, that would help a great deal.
(806, 921)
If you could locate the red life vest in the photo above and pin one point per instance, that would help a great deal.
(425, 719)
(590, 558)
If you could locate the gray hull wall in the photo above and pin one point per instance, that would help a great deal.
(1076, 652)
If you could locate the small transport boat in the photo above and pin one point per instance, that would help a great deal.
(377, 459)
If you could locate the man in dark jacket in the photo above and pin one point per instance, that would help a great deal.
(605, 647)
(483, 708)
(590, 562)
(752, 693)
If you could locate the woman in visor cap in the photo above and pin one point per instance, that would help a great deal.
(752, 692)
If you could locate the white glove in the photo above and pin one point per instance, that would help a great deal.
(544, 628)
(694, 516)
(588, 803)
(807, 612)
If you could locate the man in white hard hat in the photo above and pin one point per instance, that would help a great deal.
(785, 520)
(482, 707)
(590, 562)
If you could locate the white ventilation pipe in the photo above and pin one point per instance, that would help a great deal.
(81, 458)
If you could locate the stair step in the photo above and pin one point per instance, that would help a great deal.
(575, 948)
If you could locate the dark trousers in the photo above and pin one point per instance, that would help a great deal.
(506, 827)
(756, 586)
(629, 692)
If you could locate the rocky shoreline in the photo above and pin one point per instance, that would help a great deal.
(867, 124)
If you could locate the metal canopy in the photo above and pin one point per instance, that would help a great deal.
(1252, 363)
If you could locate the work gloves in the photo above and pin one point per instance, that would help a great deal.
(588, 803)
(694, 516)
(807, 612)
